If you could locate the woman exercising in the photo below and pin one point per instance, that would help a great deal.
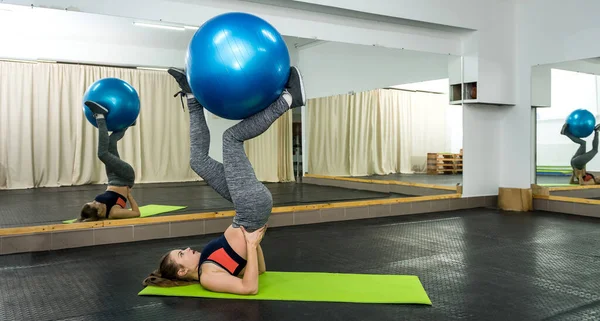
(232, 262)
(581, 158)
(121, 176)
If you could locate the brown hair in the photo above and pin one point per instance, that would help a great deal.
(88, 213)
(166, 275)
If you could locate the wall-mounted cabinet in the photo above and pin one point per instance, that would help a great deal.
(455, 94)
(470, 91)
(480, 83)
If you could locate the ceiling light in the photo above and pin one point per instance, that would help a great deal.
(152, 68)
(159, 26)
(191, 27)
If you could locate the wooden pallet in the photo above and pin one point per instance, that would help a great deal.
(444, 163)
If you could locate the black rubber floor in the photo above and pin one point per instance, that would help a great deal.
(476, 265)
(54, 205)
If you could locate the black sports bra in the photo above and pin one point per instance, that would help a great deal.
(219, 251)
(110, 199)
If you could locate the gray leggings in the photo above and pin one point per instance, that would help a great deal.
(235, 179)
(581, 158)
(119, 172)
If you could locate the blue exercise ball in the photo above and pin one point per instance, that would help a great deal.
(581, 123)
(119, 97)
(237, 64)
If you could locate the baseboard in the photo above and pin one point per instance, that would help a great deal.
(62, 236)
(382, 186)
(567, 205)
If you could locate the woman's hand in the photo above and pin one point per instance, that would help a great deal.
(255, 237)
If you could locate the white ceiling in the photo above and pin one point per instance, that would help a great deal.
(588, 66)
(85, 27)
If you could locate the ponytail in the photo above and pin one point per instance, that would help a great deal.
(166, 275)
(156, 279)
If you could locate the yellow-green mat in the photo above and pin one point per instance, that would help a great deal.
(149, 210)
(314, 286)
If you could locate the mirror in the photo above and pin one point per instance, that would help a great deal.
(566, 92)
(381, 113)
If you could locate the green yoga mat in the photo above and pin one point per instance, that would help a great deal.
(148, 210)
(322, 287)
(554, 169)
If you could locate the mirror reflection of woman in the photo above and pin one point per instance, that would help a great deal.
(581, 158)
(112, 203)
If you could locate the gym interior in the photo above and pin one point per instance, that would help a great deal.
(449, 142)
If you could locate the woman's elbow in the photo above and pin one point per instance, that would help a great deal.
(251, 291)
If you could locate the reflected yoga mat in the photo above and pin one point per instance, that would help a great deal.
(323, 287)
(149, 210)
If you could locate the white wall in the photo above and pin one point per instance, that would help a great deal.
(481, 157)
(549, 32)
(455, 128)
(334, 68)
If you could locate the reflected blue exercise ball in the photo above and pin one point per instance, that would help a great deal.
(581, 123)
(237, 64)
(119, 97)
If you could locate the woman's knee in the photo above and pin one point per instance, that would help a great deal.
(265, 199)
(229, 137)
(196, 166)
(130, 173)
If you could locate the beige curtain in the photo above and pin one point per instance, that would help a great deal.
(375, 132)
(346, 136)
(394, 130)
(364, 149)
(45, 139)
(329, 135)
(16, 125)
